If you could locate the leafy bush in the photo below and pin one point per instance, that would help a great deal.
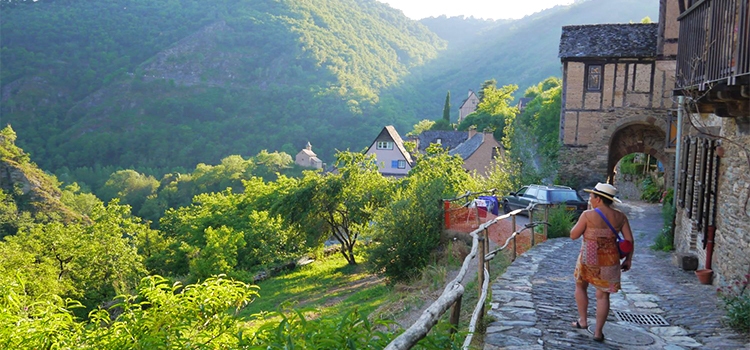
(665, 240)
(736, 299)
(652, 192)
(407, 234)
(560, 222)
(162, 316)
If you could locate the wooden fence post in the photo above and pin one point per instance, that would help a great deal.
(486, 248)
(531, 220)
(455, 315)
(546, 219)
(513, 222)
(447, 213)
(480, 276)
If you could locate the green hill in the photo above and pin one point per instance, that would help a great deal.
(173, 83)
(164, 85)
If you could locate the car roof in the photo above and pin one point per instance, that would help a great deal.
(551, 187)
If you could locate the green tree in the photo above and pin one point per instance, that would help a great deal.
(492, 83)
(447, 108)
(130, 186)
(407, 230)
(536, 138)
(421, 127)
(494, 111)
(341, 204)
(89, 262)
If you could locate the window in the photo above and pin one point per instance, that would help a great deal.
(398, 164)
(385, 145)
(698, 184)
(496, 152)
(594, 77)
(522, 191)
(531, 193)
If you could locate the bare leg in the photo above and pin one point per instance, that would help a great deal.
(602, 311)
(582, 300)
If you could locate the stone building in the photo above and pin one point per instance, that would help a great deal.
(713, 187)
(308, 158)
(616, 98)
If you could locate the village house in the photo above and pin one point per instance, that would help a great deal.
(390, 154)
(307, 158)
(478, 152)
(468, 106)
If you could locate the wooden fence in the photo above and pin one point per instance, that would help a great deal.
(454, 290)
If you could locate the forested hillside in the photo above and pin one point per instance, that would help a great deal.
(522, 52)
(160, 84)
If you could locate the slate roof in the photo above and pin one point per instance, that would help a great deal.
(466, 149)
(308, 152)
(608, 40)
(448, 139)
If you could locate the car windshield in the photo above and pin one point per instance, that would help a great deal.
(562, 196)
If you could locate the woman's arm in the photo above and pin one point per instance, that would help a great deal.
(628, 235)
(580, 226)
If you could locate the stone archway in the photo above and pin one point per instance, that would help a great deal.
(638, 137)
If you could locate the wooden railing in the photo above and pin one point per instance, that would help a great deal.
(714, 44)
(454, 290)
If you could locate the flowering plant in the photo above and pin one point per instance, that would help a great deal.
(736, 298)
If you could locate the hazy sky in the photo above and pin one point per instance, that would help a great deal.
(489, 9)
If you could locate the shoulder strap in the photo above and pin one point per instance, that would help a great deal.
(607, 222)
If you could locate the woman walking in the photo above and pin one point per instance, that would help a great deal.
(599, 261)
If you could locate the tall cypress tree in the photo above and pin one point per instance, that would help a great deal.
(447, 108)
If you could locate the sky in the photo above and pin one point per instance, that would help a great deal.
(486, 9)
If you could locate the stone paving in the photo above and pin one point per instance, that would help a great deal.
(533, 304)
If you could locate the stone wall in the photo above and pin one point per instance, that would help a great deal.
(610, 136)
(731, 255)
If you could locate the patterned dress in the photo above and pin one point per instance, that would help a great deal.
(599, 260)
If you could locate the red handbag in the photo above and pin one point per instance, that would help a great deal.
(624, 246)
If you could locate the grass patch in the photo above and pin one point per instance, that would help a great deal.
(329, 287)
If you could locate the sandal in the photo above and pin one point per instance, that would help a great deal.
(600, 339)
(578, 325)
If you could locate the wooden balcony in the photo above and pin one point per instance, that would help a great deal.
(713, 54)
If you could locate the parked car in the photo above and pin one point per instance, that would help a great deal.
(557, 195)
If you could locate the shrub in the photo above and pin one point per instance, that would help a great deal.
(560, 222)
(409, 234)
(652, 192)
(665, 240)
(736, 299)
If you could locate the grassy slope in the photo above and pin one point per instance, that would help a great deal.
(330, 287)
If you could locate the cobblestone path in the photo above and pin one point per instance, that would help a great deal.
(660, 306)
